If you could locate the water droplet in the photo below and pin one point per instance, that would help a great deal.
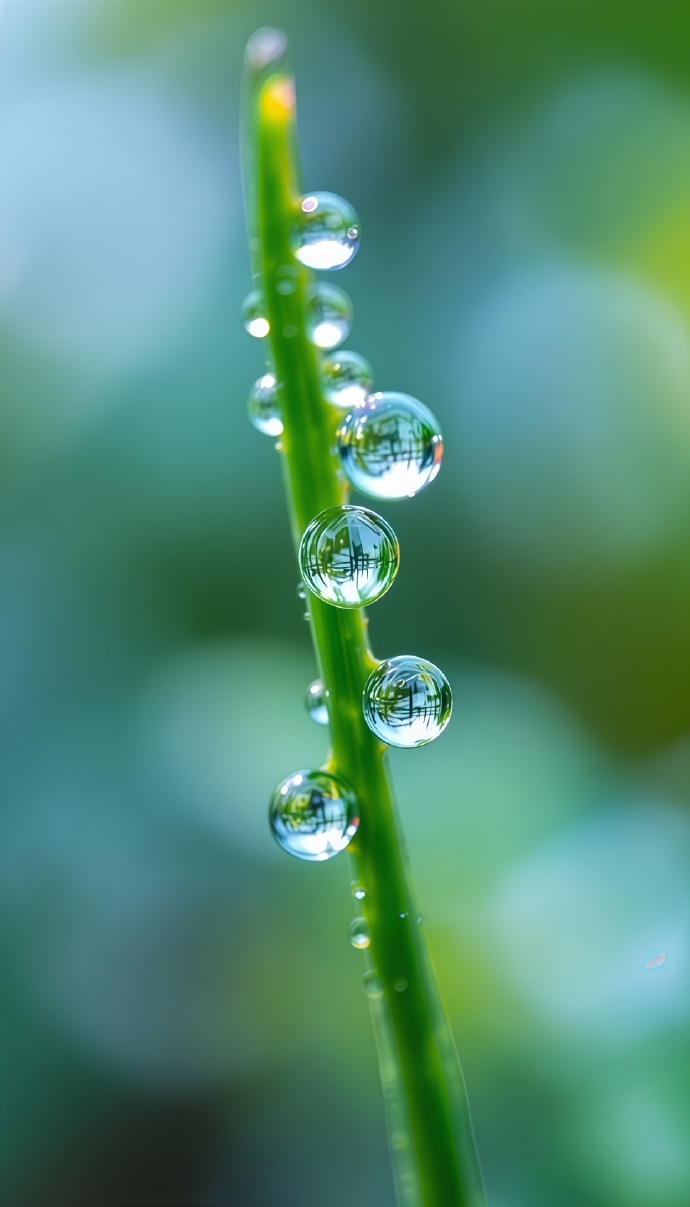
(373, 985)
(289, 331)
(286, 286)
(330, 315)
(315, 703)
(359, 934)
(420, 918)
(404, 914)
(390, 446)
(306, 616)
(656, 961)
(301, 591)
(347, 379)
(313, 815)
(400, 985)
(407, 701)
(254, 317)
(348, 556)
(263, 407)
(287, 277)
(357, 891)
(326, 233)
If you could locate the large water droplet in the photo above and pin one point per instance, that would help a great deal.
(390, 446)
(330, 315)
(347, 379)
(263, 407)
(348, 556)
(326, 233)
(254, 317)
(373, 985)
(315, 703)
(407, 701)
(313, 815)
(359, 934)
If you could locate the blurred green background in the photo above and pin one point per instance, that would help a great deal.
(182, 1022)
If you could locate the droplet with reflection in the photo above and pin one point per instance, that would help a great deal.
(329, 315)
(326, 232)
(390, 446)
(313, 815)
(254, 319)
(263, 407)
(347, 379)
(315, 703)
(348, 556)
(407, 701)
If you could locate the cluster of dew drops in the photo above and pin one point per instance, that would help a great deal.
(390, 447)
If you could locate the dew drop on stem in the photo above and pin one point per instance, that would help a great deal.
(313, 815)
(316, 704)
(325, 234)
(407, 701)
(348, 556)
(254, 318)
(390, 446)
(263, 407)
(347, 379)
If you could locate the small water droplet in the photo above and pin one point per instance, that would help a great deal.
(347, 379)
(373, 985)
(313, 815)
(306, 616)
(657, 960)
(348, 556)
(301, 591)
(390, 446)
(399, 1140)
(326, 233)
(254, 318)
(315, 703)
(359, 934)
(357, 891)
(278, 446)
(286, 286)
(289, 331)
(404, 914)
(420, 918)
(263, 407)
(407, 701)
(330, 315)
(400, 985)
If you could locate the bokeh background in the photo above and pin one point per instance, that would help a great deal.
(182, 1022)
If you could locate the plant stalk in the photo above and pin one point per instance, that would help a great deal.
(430, 1130)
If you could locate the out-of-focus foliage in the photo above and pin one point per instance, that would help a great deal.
(182, 1015)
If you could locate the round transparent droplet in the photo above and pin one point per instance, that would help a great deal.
(301, 590)
(358, 890)
(400, 985)
(254, 317)
(313, 815)
(347, 379)
(326, 231)
(390, 447)
(315, 703)
(359, 934)
(329, 316)
(407, 701)
(373, 985)
(263, 407)
(348, 556)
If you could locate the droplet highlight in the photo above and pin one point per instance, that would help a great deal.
(329, 316)
(407, 701)
(390, 446)
(263, 407)
(326, 232)
(315, 703)
(359, 934)
(348, 556)
(313, 815)
(254, 318)
(358, 890)
(347, 379)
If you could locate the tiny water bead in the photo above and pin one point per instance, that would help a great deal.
(357, 890)
(313, 815)
(330, 316)
(263, 407)
(326, 232)
(315, 703)
(359, 934)
(254, 317)
(347, 379)
(400, 985)
(407, 701)
(348, 556)
(390, 446)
